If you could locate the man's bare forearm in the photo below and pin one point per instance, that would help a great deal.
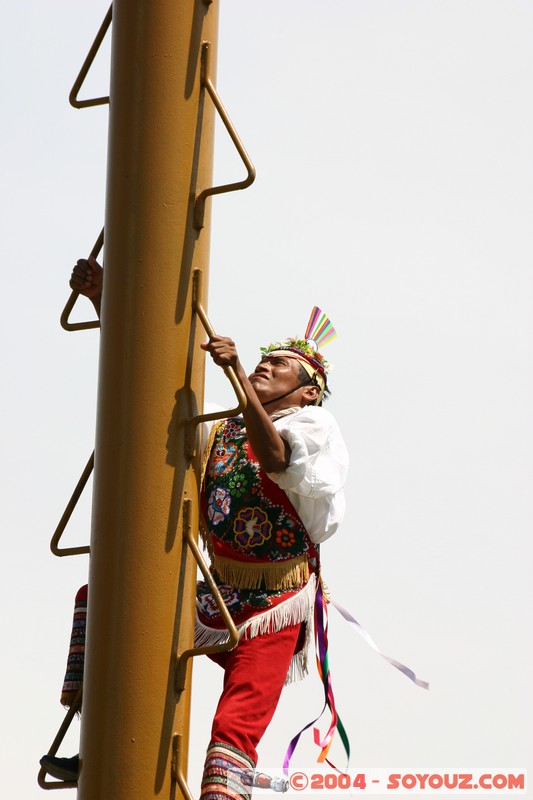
(271, 450)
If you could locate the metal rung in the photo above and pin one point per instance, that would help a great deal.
(199, 205)
(60, 735)
(71, 505)
(87, 64)
(71, 302)
(178, 754)
(181, 666)
(178, 770)
(229, 371)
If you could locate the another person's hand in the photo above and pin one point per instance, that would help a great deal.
(87, 278)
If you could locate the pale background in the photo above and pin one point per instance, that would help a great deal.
(393, 144)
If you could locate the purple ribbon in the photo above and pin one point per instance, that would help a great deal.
(366, 636)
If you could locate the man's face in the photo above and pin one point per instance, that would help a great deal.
(274, 376)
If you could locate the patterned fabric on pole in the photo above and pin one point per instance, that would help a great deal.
(76, 654)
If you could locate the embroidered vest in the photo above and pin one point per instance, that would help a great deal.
(254, 535)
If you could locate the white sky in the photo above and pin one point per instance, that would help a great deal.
(393, 144)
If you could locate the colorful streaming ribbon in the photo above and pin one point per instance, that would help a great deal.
(321, 637)
(407, 671)
(322, 660)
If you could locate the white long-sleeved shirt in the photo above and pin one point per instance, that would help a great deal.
(316, 474)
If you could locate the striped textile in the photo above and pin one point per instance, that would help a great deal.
(76, 654)
(226, 768)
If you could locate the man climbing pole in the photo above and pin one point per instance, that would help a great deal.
(271, 492)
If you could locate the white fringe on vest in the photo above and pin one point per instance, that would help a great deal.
(292, 611)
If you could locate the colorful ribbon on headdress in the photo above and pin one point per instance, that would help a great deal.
(321, 637)
(319, 328)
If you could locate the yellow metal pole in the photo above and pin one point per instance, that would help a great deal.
(141, 588)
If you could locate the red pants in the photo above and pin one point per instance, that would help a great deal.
(254, 675)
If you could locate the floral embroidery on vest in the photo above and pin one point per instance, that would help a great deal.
(260, 551)
(247, 513)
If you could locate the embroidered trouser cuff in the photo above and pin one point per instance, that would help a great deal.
(225, 773)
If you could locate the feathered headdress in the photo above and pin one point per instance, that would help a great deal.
(319, 332)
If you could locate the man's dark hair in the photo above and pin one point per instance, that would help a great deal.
(307, 380)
